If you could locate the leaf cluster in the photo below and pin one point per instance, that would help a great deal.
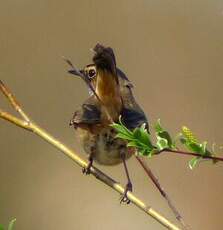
(140, 139)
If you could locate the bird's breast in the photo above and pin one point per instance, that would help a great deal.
(107, 147)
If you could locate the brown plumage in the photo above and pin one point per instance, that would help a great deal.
(111, 97)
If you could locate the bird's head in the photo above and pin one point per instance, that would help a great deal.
(104, 58)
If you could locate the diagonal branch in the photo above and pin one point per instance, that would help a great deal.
(156, 182)
(30, 126)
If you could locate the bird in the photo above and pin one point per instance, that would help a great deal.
(110, 99)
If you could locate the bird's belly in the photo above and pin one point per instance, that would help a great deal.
(107, 148)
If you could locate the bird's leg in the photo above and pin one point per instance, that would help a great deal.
(86, 170)
(128, 187)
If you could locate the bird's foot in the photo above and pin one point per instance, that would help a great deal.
(87, 170)
(124, 198)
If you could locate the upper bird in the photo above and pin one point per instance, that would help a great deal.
(110, 97)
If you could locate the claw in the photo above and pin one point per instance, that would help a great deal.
(124, 198)
(87, 170)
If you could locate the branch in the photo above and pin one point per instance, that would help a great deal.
(155, 180)
(31, 126)
(13, 101)
(190, 154)
(141, 140)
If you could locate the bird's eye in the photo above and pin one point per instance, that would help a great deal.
(91, 73)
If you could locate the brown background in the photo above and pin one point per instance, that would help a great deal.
(172, 52)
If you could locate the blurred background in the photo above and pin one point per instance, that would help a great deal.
(172, 52)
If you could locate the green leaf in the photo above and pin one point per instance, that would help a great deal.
(205, 151)
(145, 136)
(165, 135)
(140, 153)
(121, 129)
(142, 135)
(143, 151)
(161, 133)
(204, 147)
(132, 144)
(123, 126)
(152, 152)
(161, 143)
(194, 147)
(124, 136)
(193, 162)
(1, 227)
(158, 127)
(137, 133)
(183, 140)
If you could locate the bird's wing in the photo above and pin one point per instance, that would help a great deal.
(132, 114)
(133, 118)
(88, 113)
(123, 80)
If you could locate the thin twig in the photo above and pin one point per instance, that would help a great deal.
(13, 101)
(161, 190)
(17, 121)
(30, 126)
(191, 154)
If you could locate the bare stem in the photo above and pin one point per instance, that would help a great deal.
(156, 182)
(30, 126)
(6, 116)
(191, 154)
(13, 101)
